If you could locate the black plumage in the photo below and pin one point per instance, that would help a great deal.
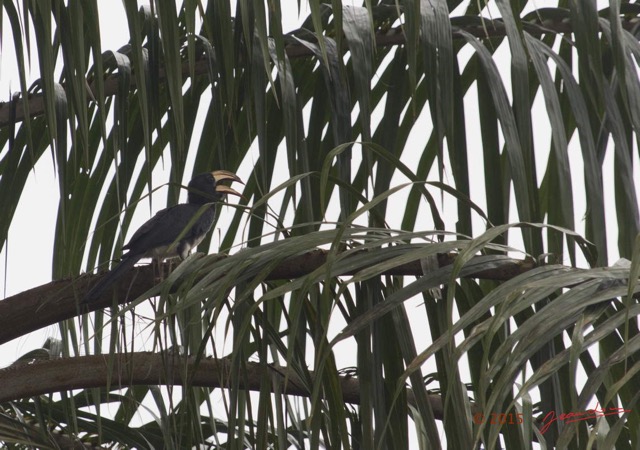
(172, 231)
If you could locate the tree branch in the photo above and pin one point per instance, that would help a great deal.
(144, 368)
(60, 300)
(120, 370)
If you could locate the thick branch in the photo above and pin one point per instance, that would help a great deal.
(142, 368)
(59, 300)
(125, 370)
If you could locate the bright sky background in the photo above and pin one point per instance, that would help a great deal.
(27, 259)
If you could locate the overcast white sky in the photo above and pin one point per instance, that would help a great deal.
(28, 254)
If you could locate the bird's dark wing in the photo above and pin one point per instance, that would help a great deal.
(148, 228)
(157, 235)
(167, 225)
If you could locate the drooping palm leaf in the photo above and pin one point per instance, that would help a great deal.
(326, 124)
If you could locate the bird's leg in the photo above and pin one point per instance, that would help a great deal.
(158, 263)
(170, 260)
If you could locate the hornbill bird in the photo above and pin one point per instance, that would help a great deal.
(166, 234)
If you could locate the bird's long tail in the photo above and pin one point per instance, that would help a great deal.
(105, 283)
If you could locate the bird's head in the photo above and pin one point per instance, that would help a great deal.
(208, 187)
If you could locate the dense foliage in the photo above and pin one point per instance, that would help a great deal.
(423, 254)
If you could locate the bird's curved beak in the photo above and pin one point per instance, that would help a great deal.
(227, 190)
(220, 175)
